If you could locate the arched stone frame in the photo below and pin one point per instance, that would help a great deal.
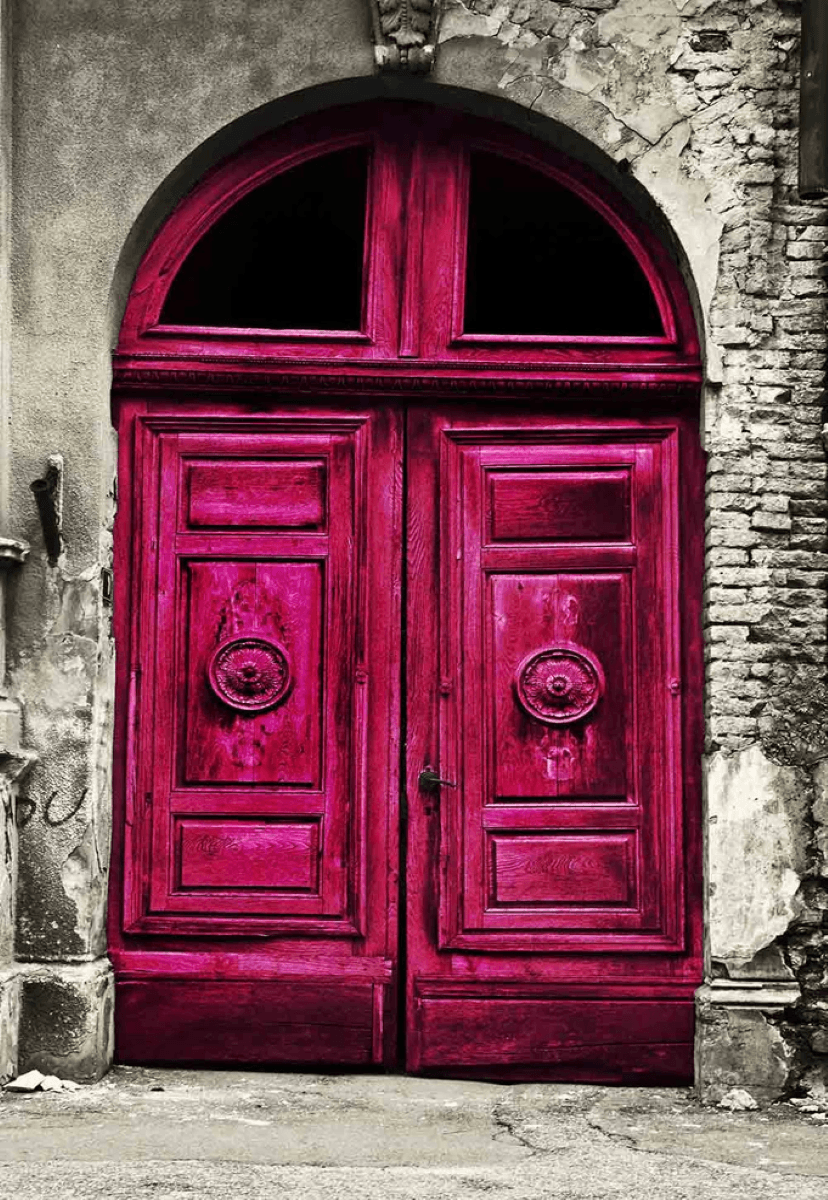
(146, 363)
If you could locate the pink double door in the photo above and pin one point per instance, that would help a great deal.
(323, 612)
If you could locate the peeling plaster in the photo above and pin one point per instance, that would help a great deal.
(686, 203)
(758, 856)
(83, 876)
(9, 1020)
(8, 871)
(65, 690)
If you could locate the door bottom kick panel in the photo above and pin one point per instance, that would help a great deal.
(613, 1040)
(297, 1023)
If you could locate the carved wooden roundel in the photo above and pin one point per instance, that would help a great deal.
(249, 674)
(560, 684)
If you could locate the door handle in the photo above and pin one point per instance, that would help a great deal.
(429, 779)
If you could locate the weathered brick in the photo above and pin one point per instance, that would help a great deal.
(773, 521)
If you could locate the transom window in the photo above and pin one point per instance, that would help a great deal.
(287, 256)
(403, 232)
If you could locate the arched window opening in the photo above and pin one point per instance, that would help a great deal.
(289, 255)
(377, 237)
(542, 261)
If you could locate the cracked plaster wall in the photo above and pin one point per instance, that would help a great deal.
(694, 100)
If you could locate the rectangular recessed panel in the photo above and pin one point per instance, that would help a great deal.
(613, 1039)
(278, 855)
(560, 725)
(244, 1021)
(576, 505)
(273, 494)
(539, 869)
(254, 635)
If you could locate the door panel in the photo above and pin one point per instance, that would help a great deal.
(263, 705)
(545, 664)
(280, 606)
(243, 680)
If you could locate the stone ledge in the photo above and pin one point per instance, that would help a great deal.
(759, 993)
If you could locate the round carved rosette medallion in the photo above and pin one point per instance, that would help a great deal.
(250, 674)
(560, 684)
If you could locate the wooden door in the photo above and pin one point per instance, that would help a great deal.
(553, 906)
(260, 661)
(553, 926)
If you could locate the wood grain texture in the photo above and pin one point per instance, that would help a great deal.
(271, 600)
(254, 821)
(415, 250)
(277, 855)
(555, 506)
(176, 1021)
(270, 494)
(562, 869)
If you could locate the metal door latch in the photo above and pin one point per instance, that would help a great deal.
(428, 778)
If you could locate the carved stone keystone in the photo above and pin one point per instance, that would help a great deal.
(405, 34)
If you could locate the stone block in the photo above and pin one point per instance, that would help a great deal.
(9, 1022)
(66, 1020)
(773, 522)
(737, 1045)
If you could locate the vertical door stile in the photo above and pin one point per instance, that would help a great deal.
(422, 883)
(411, 308)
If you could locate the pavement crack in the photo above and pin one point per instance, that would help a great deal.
(506, 1123)
(614, 1135)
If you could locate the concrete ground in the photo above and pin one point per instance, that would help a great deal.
(182, 1135)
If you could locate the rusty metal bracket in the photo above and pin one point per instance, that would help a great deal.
(813, 102)
(48, 494)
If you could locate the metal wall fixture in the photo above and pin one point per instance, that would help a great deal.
(813, 102)
(48, 494)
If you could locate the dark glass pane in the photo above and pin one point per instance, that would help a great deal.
(542, 261)
(287, 256)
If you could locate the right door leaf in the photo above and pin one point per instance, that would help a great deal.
(567, 832)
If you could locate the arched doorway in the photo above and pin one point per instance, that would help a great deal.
(410, 489)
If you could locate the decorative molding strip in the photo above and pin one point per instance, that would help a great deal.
(140, 378)
(405, 34)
